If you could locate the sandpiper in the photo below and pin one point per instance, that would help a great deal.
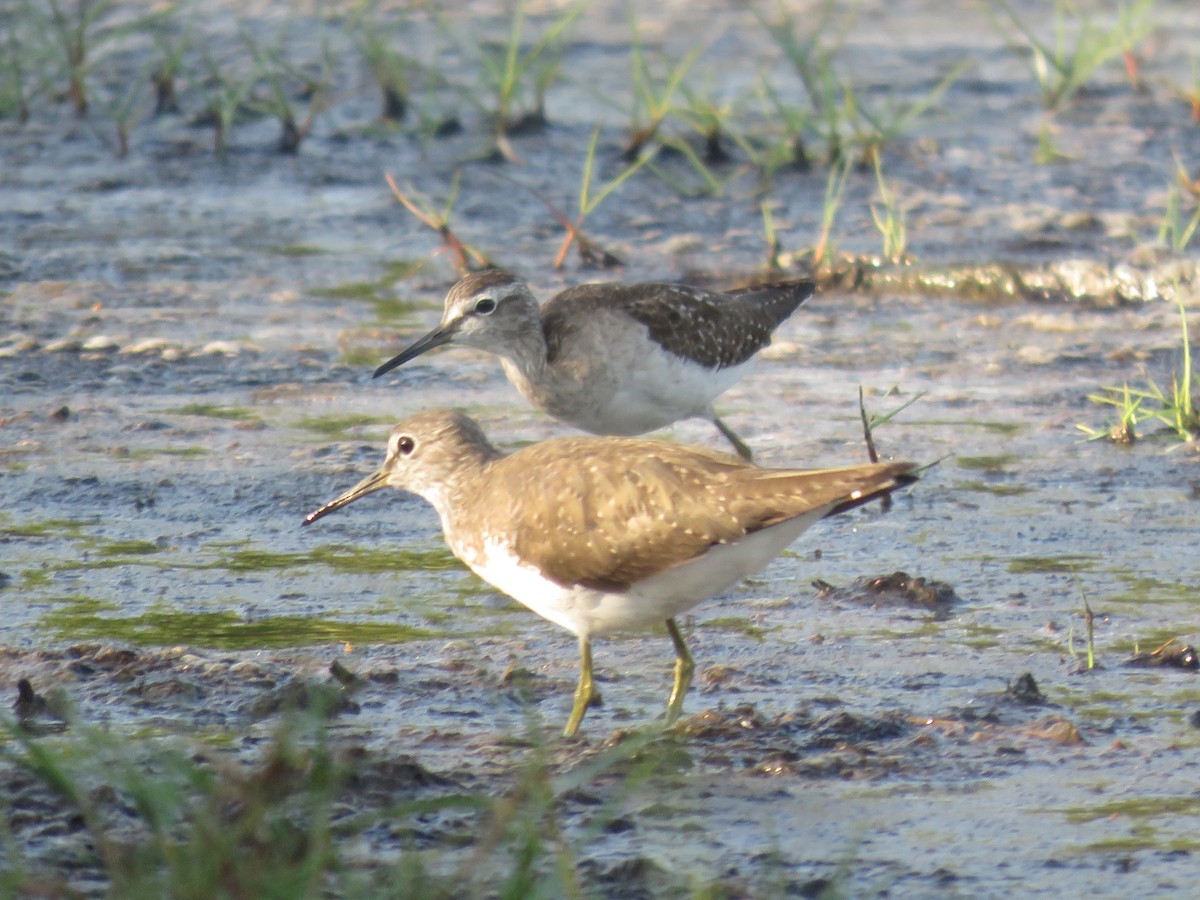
(598, 534)
(615, 358)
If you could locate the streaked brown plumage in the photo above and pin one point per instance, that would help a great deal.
(632, 509)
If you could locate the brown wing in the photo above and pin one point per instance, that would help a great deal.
(607, 512)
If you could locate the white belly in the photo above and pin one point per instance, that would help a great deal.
(587, 611)
(659, 393)
(629, 387)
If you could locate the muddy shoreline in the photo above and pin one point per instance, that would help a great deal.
(186, 345)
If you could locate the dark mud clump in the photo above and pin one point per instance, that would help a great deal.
(1173, 654)
(1025, 690)
(898, 589)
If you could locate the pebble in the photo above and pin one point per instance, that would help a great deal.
(15, 344)
(248, 670)
(1036, 356)
(1066, 323)
(64, 345)
(148, 345)
(1081, 221)
(100, 343)
(682, 244)
(1147, 254)
(220, 348)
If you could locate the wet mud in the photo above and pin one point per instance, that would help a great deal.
(899, 705)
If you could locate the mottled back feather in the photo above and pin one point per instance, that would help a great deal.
(714, 329)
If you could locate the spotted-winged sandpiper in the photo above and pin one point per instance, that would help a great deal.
(598, 534)
(615, 358)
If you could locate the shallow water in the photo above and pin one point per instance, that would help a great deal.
(187, 347)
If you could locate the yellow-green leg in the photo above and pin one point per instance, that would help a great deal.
(684, 667)
(738, 444)
(584, 691)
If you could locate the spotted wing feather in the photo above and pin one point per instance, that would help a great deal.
(714, 329)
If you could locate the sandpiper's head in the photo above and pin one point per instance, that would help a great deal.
(427, 454)
(490, 310)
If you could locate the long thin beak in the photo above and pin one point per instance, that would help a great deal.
(437, 337)
(368, 485)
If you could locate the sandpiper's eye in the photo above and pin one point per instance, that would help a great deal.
(485, 307)
(405, 445)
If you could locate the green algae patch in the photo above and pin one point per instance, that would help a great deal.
(997, 463)
(1178, 807)
(111, 562)
(923, 629)
(1140, 588)
(213, 411)
(127, 548)
(144, 453)
(46, 528)
(391, 310)
(342, 426)
(183, 452)
(82, 619)
(296, 250)
(737, 625)
(979, 636)
(340, 558)
(403, 269)
(36, 578)
(1005, 428)
(387, 308)
(379, 293)
(81, 605)
(350, 290)
(1101, 706)
(472, 588)
(361, 357)
(1144, 838)
(996, 490)
(1045, 565)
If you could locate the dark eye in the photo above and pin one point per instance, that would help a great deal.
(405, 445)
(486, 306)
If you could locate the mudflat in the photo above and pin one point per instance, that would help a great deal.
(901, 705)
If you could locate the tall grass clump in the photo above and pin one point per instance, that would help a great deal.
(1173, 407)
(301, 816)
(295, 95)
(1179, 223)
(837, 113)
(655, 84)
(382, 46)
(1078, 46)
(515, 75)
(27, 61)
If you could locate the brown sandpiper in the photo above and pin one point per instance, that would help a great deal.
(599, 534)
(615, 359)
